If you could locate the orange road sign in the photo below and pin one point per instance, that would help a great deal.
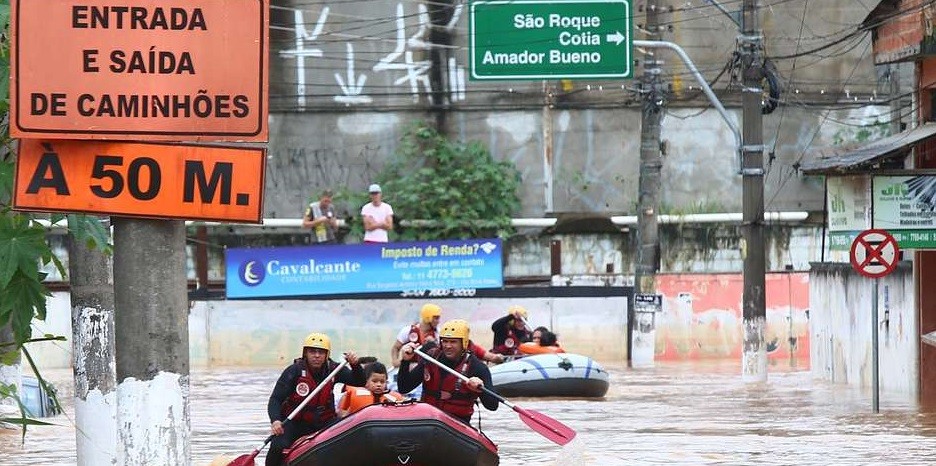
(140, 179)
(187, 70)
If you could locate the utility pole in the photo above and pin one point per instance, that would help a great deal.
(548, 147)
(440, 13)
(152, 342)
(639, 335)
(92, 302)
(893, 79)
(754, 351)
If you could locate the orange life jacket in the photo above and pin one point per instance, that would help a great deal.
(532, 347)
(357, 398)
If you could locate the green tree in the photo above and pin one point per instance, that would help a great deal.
(24, 251)
(457, 188)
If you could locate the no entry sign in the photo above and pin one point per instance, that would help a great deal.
(874, 253)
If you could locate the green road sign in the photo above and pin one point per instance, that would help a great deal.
(550, 39)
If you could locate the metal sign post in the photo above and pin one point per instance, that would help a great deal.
(874, 254)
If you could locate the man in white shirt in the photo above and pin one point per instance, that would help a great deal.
(378, 217)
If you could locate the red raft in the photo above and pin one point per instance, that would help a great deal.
(411, 434)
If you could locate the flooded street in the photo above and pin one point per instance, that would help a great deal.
(686, 413)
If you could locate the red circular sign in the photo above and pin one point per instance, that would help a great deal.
(874, 253)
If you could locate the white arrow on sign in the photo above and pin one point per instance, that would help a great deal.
(617, 38)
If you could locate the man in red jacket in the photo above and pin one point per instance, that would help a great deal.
(297, 382)
(442, 389)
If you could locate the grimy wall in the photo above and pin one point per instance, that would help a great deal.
(701, 319)
(348, 77)
(840, 329)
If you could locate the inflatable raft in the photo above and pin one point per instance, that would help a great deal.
(559, 374)
(410, 433)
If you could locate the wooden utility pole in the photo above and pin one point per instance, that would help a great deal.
(754, 351)
(648, 197)
(548, 147)
(893, 80)
(440, 39)
(90, 278)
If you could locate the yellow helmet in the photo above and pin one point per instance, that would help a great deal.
(512, 310)
(455, 329)
(428, 312)
(317, 340)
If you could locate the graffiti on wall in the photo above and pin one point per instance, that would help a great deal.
(404, 62)
(702, 317)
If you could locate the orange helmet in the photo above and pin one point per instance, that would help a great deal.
(428, 312)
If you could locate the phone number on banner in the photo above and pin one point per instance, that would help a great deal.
(453, 292)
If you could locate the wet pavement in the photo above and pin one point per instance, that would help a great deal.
(685, 413)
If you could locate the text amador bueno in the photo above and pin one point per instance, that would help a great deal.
(574, 33)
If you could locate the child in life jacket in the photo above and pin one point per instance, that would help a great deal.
(374, 391)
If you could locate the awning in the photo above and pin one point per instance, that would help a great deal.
(856, 159)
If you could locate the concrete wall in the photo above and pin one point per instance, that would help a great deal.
(596, 155)
(702, 317)
(700, 320)
(258, 333)
(840, 320)
(327, 133)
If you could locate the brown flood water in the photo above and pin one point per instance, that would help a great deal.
(686, 413)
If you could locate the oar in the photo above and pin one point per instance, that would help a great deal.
(248, 460)
(546, 426)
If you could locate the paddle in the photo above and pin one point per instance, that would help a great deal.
(544, 425)
(248, 460)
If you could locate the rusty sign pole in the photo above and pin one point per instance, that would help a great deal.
(875, 357)
(874, 254)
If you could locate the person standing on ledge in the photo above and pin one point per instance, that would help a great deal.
(378, 217)
(320, 217)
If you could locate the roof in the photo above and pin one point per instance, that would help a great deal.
(831, 160)
(884, 8)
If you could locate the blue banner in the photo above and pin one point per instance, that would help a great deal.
(412, 268)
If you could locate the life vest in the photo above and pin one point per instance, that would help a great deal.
(321, 408)
(357, 398)
(531, 347)
(447, 392)
(512, 343)
(417, 336)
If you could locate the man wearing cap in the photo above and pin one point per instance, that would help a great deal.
(378, 217)
(320, 217)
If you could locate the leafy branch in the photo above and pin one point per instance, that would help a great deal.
(458, 188)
